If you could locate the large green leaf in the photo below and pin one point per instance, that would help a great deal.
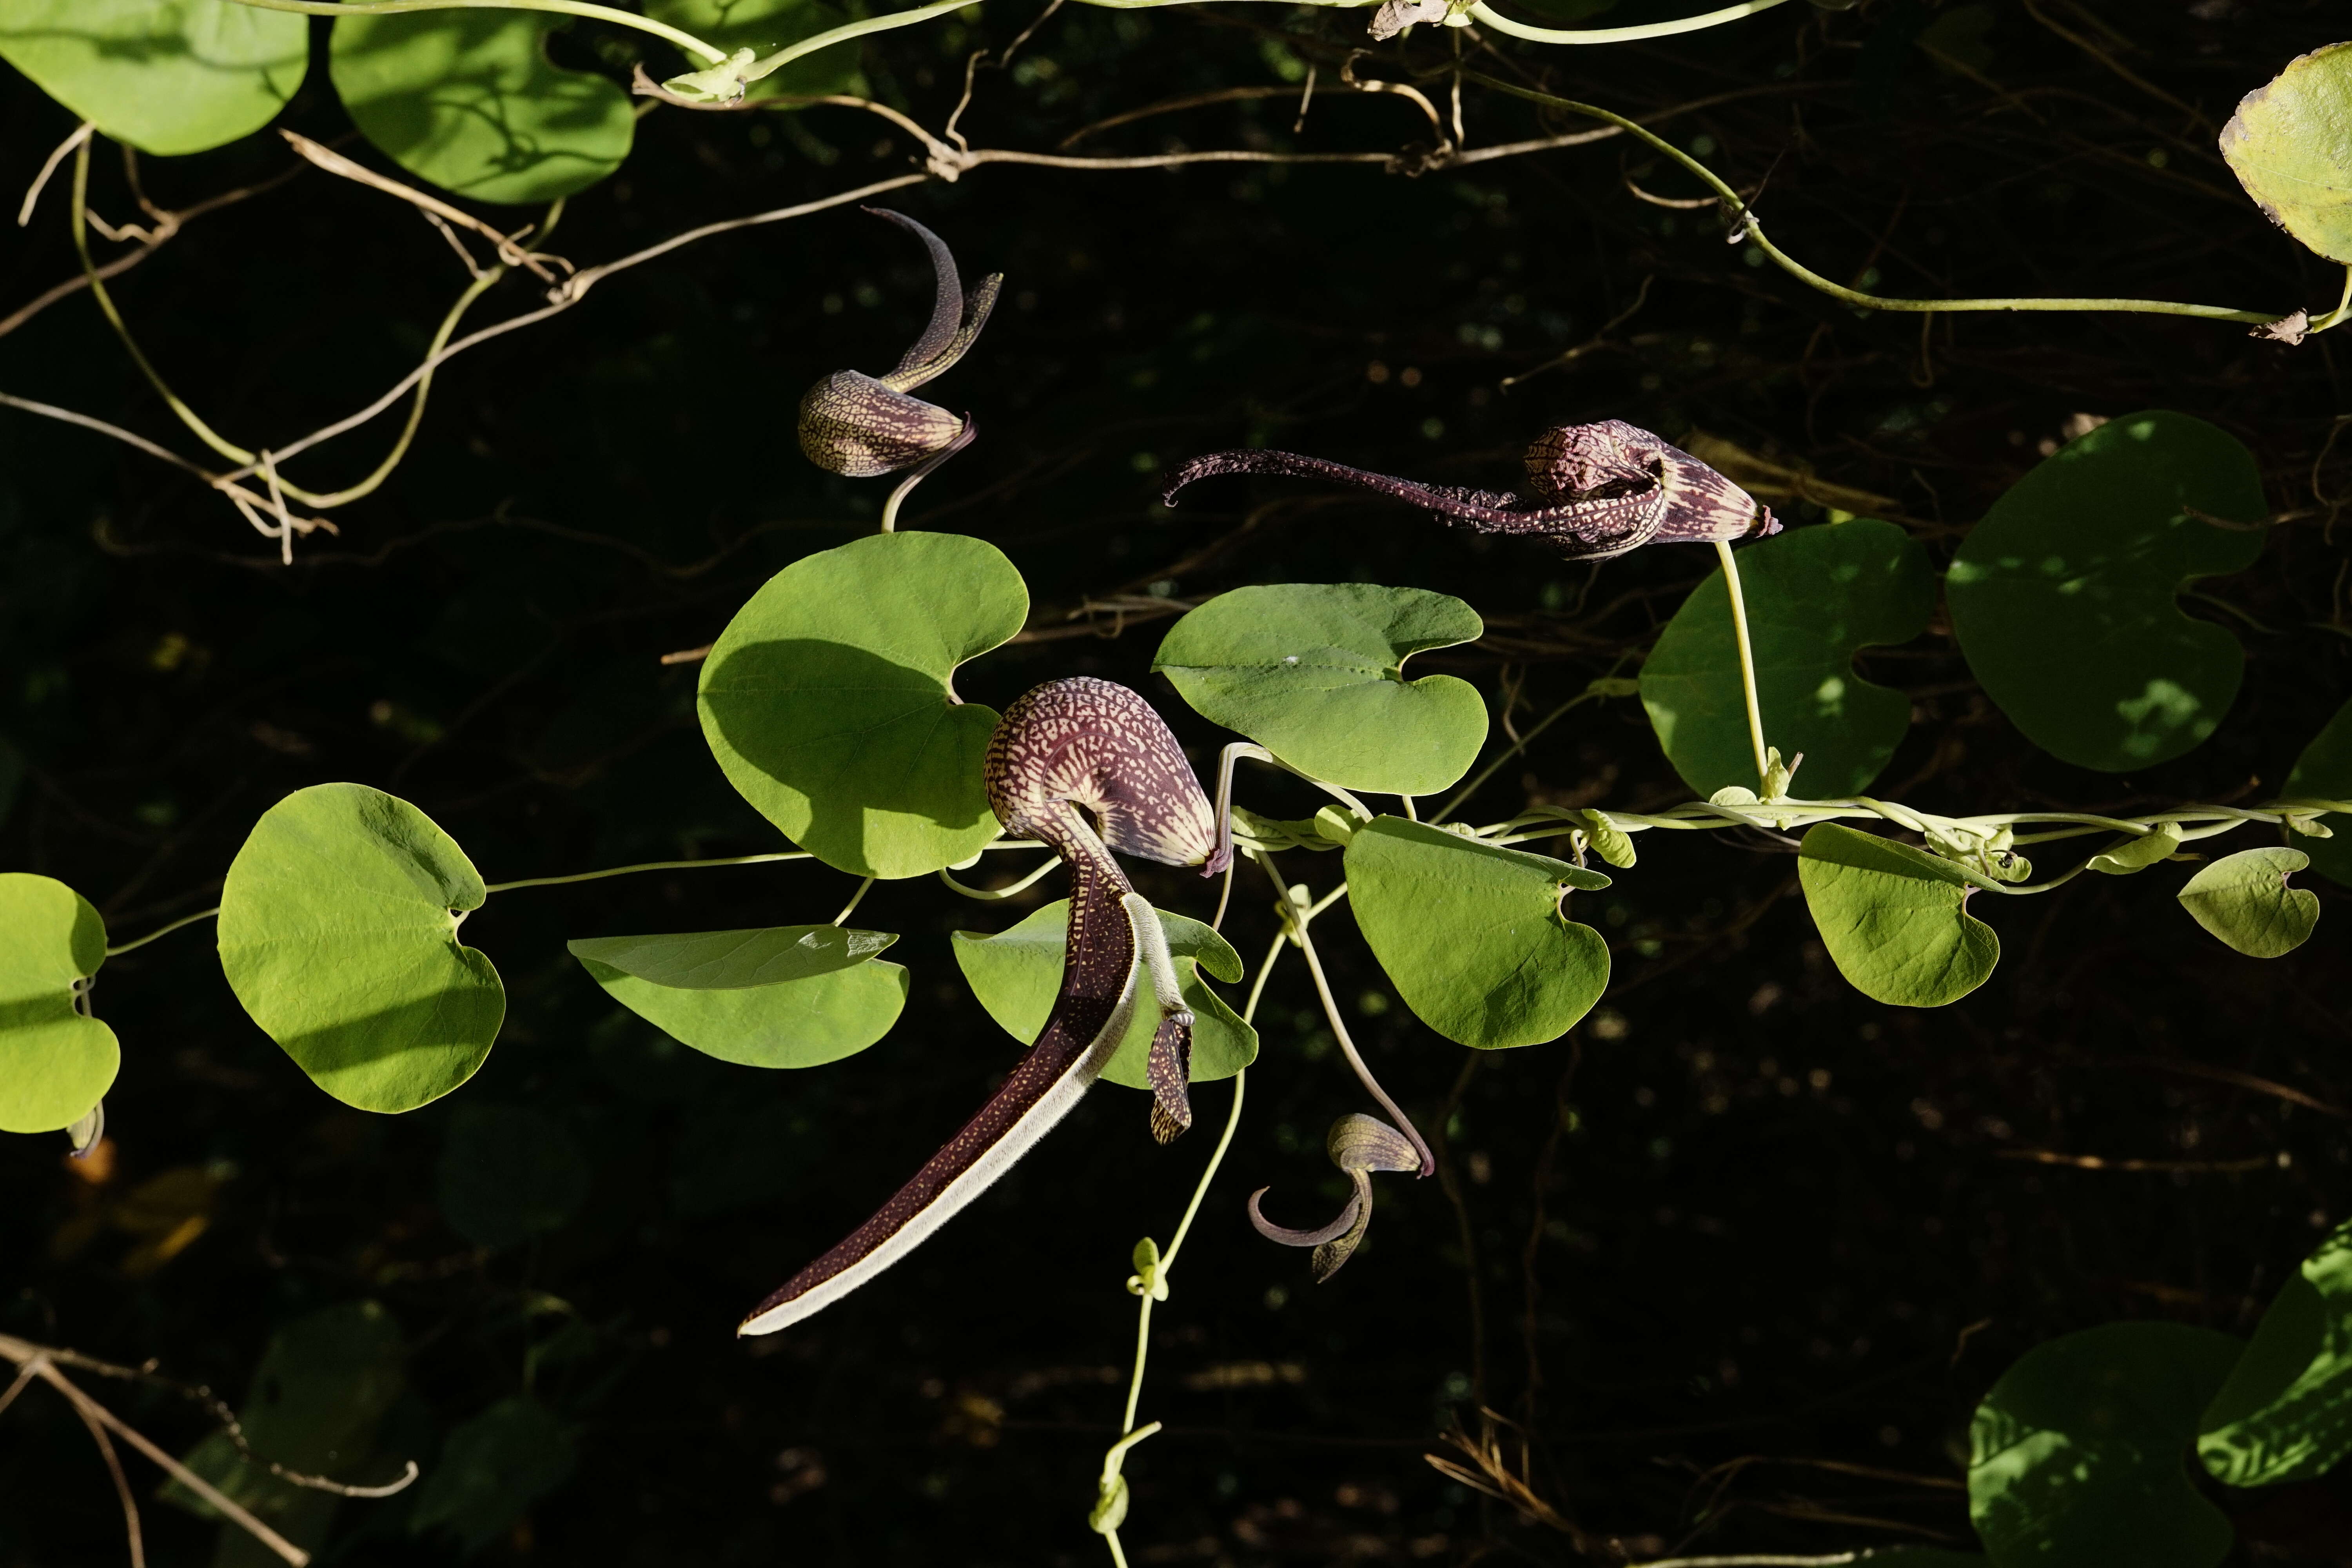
(2077, 1454)
(1315, 673)
(2285, 1414)
(166, 76)
(314, 1405)
(469, 100)
(1472, 935)
(788, 996)
(55, 1064)
(493, 1467)
(2064, 596)
(764, 27)
(2244, 899)
(1016, 972)
(338, 933)
(509, 1173)
(2291, 145)
(1893, 918)
(2323, 772)
(1814, 596)
(828, 700)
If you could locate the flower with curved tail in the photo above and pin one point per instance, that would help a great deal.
(1601, 489)
(861, 426)
(1358, 1144)
(1065, 751)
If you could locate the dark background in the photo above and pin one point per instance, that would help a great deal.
(1740, 1214)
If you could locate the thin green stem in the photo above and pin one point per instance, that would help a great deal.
(1200, 1189)
(1298, 933)
(1150, 1288)
(1135, 1383)
(1483, 775)
(855, 899)
(162, 930)
(391, 460)
(648, 866)
(679, 36)
(988, 895)
(848, 31)
(1806, 275)
(2343, 307)
(1746, 657)
(97, 290)
(1502, 24)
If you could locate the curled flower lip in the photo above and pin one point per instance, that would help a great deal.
(1601, 489)
(1087, 767)
(1359, 1145)
(861, 425)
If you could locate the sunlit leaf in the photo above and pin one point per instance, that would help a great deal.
(508, 1173)
(828, 700)
(2285, 1414)
(1814, 596)
(2077, 1455)
(1016, 972)
(2323, 772)
(166, 76)
(469, 100)
(786, 996)
(764, 27)
(2149, 849)
(55, 1064)
(1315, 673)
(2244, 899)
(492, 1470)
(2290, 147)
(1893, 918)
(2063, 597)
(339, 933)
(314, 1404)
(1472, 935)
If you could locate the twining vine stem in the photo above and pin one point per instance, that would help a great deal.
(1747, 660)
(1150, 1284)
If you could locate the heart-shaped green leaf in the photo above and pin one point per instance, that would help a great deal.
(469, 100)
(2323, 772)
(509, 1173)
(828, 700)
(2063, 597)
(2285, 1414)
(55, 1064)
(730, 960)
(790, 996)
(2244, 899)
(339, 933)
(492, 1470)
(1814, 596)
(1315, 673)
(1895, 918)
(764, 27)
(2076, 1455)
(1016, 972)
(2290, 144)
(166, 76)
(1472, 935)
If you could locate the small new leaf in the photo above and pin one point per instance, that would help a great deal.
(2138, 854)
